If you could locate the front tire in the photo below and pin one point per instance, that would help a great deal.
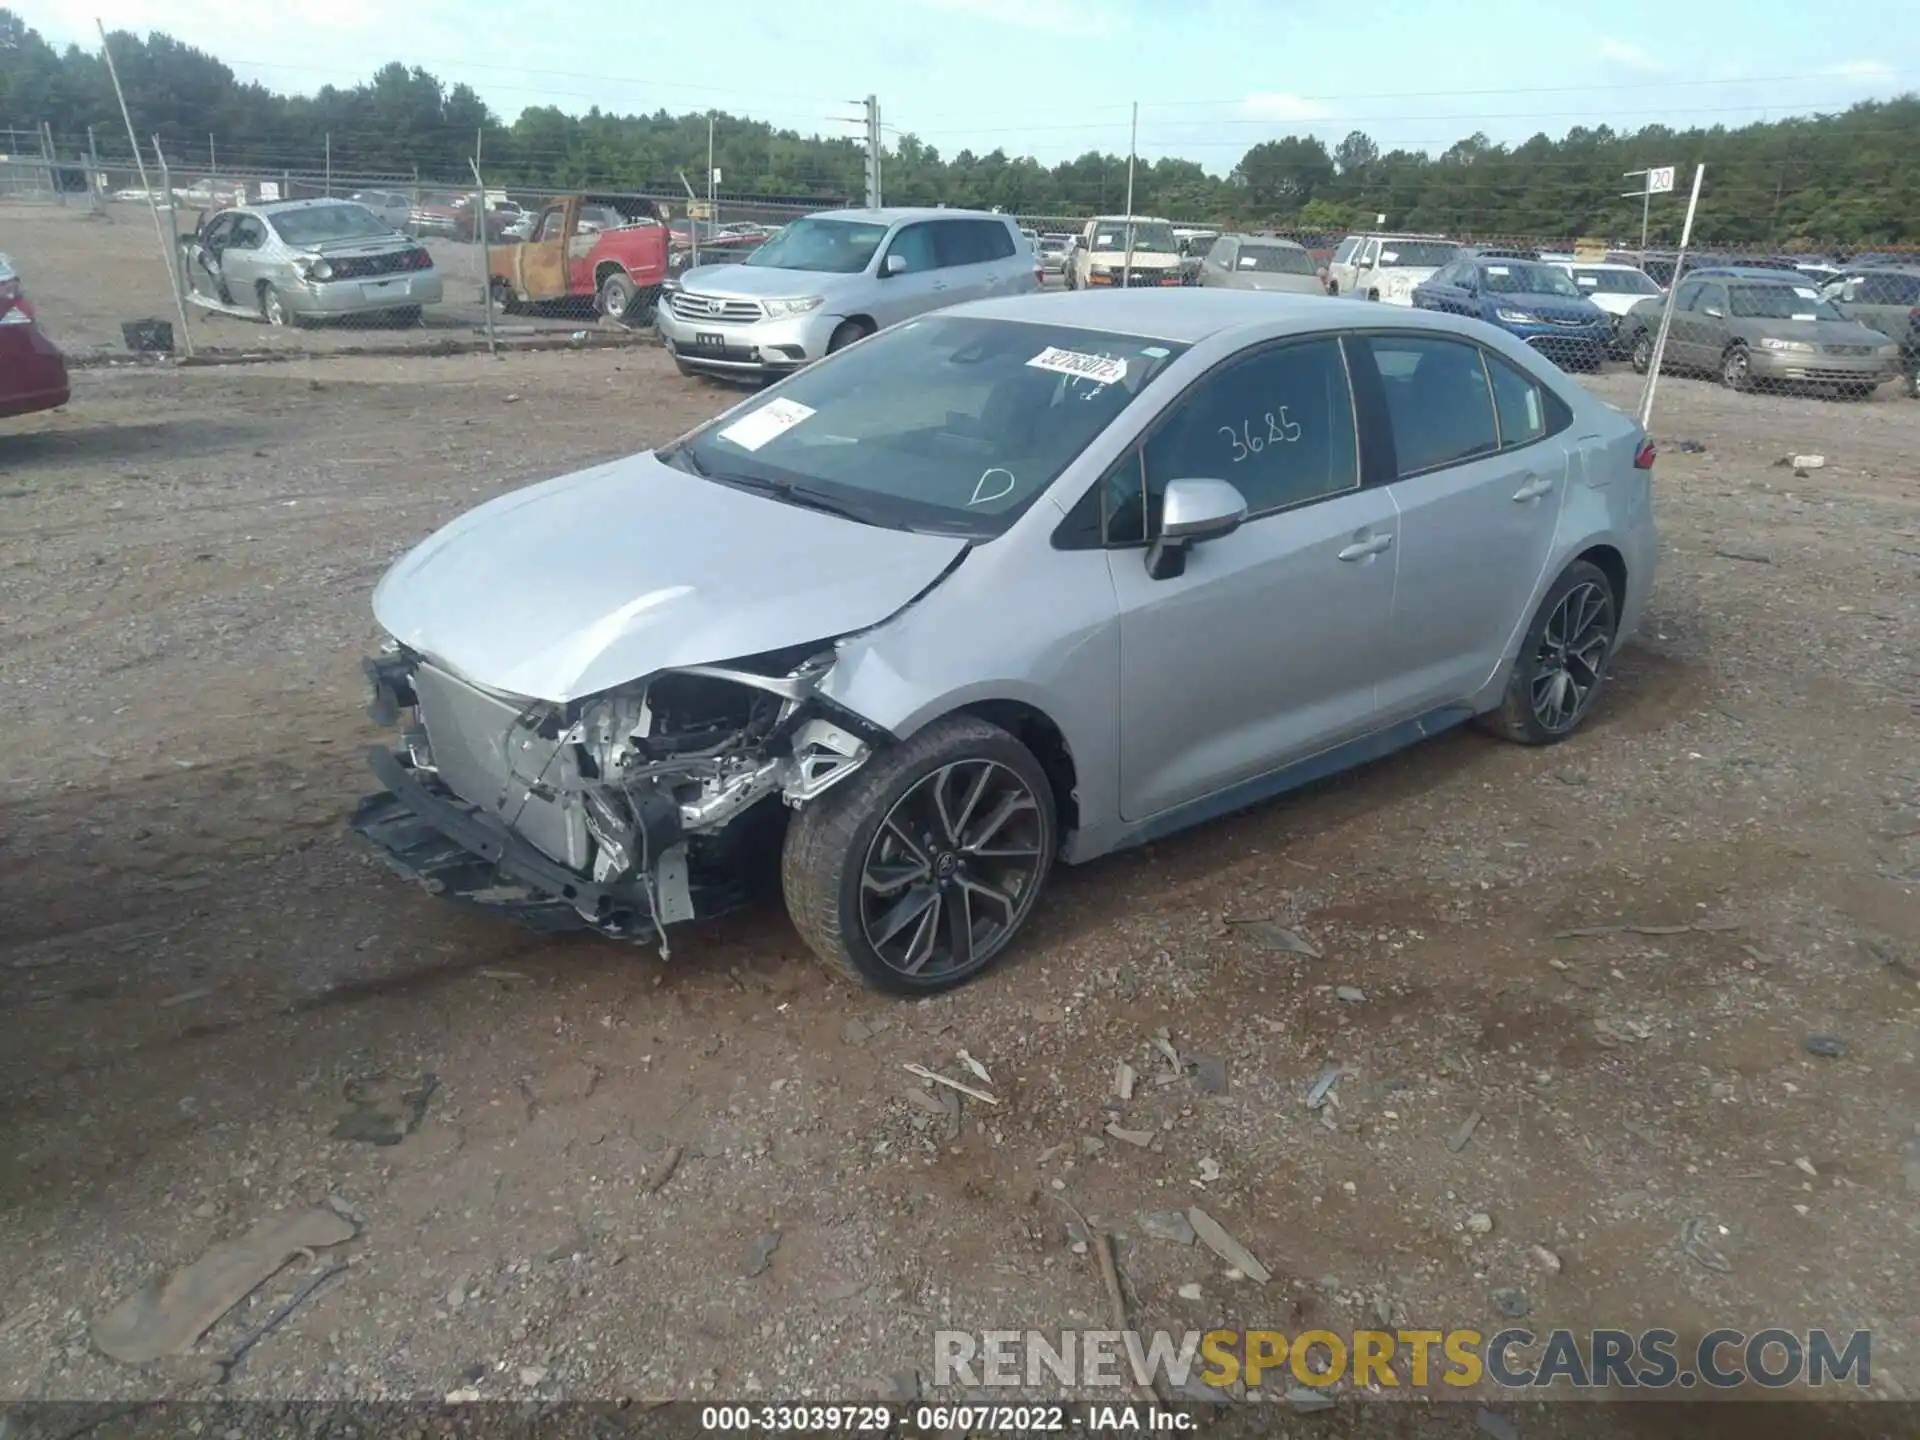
(847, 332)
(1641, 356)
(273, 308)
(1736, 368)
(1563, 660)
(915, 873)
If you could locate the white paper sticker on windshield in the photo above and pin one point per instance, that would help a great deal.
(1101, 369)
(1587, 279)
(1498, 270)
(1808, 316)
(1387, 257)
(1249, 260)
(1806, 294)
(776, 417)
(1156, 352)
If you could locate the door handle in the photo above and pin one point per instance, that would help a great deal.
(1535, 487)
(1361, 549)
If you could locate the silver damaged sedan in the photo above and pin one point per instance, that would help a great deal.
(1023, 581)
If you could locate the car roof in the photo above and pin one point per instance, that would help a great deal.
(1598, 265)
(1264, 237)
(1397, 235)
(1191, 314)
(894, 214)
(1882, 269)
(282, 207)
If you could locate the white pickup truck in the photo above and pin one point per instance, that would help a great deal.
(1116, 249)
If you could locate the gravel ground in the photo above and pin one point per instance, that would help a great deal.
(197, 970)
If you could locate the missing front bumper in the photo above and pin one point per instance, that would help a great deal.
(424, 833)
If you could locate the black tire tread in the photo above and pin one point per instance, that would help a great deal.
(1514, 719)
(820, 837)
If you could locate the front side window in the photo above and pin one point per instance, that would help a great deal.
(1345, 252)
(553, 225)
(1519, 402)
(918, 246)
(1277, 425)
(1711, 297)
(948, 423)
(1438, 404)
(1689, 296)
(832, 247)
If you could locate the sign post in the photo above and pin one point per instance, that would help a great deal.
(1655, 181)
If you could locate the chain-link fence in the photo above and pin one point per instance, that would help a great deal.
(319, 261)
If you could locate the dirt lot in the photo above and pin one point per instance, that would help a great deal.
(196, 968)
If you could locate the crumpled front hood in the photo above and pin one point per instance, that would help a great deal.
(571, 587)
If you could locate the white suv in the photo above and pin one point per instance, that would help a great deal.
(830, 279)
(1386, 267)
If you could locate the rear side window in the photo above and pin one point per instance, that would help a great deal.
(1522, 406)
(1888, 290)
(1438, 401)
(1345, 252)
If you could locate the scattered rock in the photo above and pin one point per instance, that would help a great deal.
(1189, 1292)
(760, 1253)
(465, 1395)
(166, 1317)
(1124, 1077)
(1168, 1225)
(1271, 936)
(1306, 1400)
(1142, 1138)
(1480, 1223)
(1091, 1144)
(186, 997)
(1458, 1140)
(1209, 1073)
(1216, 1239)
(1827, 1047)
(1513, 1304)
(1695, 1243)
(1210, 1170)
(1321, 1090)
(1805, 1166)
(925, 1100)
(1046, 1014)
(386, 1108)
(1349, 994)
(855, 1032)
(533, 1375)
(457, 1296)
(1545, 1259)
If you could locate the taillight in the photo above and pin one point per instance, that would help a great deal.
(14, 309)
(1643, 457)
(421, 260)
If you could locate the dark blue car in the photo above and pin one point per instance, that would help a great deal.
(1536, 302)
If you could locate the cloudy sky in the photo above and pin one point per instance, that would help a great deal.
(1053, 78)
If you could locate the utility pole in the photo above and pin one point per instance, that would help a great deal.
(869, 121)
(1133, 146)
(169, 245)
(713, 177)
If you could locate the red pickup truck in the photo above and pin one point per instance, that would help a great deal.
(610, 250)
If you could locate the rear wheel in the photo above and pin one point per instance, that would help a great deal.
(1563, 660)
(616, 294)
(916, 872)
(1641, 355)
(273, 308)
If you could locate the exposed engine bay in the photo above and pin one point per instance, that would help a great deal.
(638, 804)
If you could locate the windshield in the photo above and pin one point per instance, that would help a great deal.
(834, 247)
(1051, 245)
(1781, 302)
(1521, 277)
(322, 223)
(1615, 282)
(1432, 253)
(1153, 236)
(947, 423)
(1274, 260)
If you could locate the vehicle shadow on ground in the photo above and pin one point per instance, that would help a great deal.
(100, 444)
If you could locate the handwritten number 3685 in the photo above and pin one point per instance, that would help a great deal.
(1245, 442)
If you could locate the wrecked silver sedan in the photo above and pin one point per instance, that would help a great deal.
(1024, 579)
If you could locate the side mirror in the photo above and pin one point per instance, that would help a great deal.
(1715, 312)
(894, 265)
(1191, 511)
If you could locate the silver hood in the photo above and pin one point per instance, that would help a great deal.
(764, 282)
(571, 587)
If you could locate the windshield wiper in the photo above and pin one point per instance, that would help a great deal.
(795, 493)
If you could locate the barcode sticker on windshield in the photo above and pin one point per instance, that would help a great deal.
(1498, 270)
(1101, 369)
(776, 417)
(1588, 279)
(1806, 294)
(1804, 317)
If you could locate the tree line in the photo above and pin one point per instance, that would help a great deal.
(1851, 178)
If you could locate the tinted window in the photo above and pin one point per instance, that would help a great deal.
(1520, 404)
(1345, 252)
(248, 233)
(1782, 302)
(918, 246)
(1437, 400)
(1689, 295)
(1711, 297)
(1277, 425)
